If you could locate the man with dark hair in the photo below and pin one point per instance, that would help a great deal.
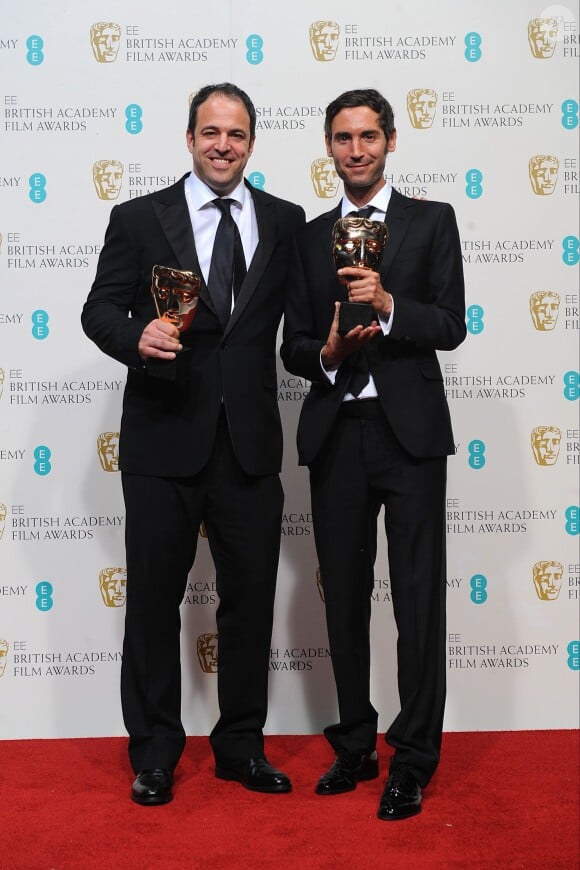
(201, 437)
(226, 89)
(375, 431)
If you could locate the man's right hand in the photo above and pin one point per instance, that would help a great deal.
(338, 347)
(159, 340)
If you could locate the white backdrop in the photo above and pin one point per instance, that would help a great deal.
(492, 126)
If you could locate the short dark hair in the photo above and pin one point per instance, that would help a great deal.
(228, 90)
(362, 97)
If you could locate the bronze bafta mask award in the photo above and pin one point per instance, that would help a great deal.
(357, 241)
(176, 294)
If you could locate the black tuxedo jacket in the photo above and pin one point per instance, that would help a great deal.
(422, 269)
(168, 427)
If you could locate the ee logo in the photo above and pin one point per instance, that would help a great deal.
(475, 323)
(44, 592)
(42, 465)
(474, 177)
(257, 179)
(34, 53)
(571, 252)
(476, 454)
(40, 328)
(133, 122)
(574, 655)
(569, 114)
(472, 47)
(478, 585)
(572, 386)
(37, 192)
(254, 44)
(572, 515)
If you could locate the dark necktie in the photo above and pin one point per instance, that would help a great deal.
(365, 212)
(228, 266)
(360, 373)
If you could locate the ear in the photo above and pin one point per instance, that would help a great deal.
(328, 147)
(189, 139)
(392, 142)
(251, 146)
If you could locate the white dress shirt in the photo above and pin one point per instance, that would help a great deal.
(205, 217)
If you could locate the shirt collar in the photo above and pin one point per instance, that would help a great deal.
(380, 201)
(200, 195)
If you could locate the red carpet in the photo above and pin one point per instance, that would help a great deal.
(499, 800)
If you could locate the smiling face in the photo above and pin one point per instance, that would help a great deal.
(359, 147)
(220, 144)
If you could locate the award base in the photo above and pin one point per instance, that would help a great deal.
(177, 370)
(353, 314)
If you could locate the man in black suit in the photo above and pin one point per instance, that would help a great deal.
(200, 438)
(381, 442)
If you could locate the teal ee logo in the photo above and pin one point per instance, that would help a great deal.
(570, 247)
(37, 192)
(573, 650)
(476, 454)
(478, 592)
(572, 515)
(44, 592)
(569, 114)
(34, 53)
(474, 178)
(472, 47)
(572, 386)
(254, 44)
(475, 323)
(257, 179)
(42, 465)
(133, 122)
(40, 328)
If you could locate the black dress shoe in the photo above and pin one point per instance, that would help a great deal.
(347, 770)
(256, 774)
(153, 787)
(401, 797)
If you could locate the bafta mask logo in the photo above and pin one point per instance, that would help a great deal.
(544, 308)
(421, 106)
(319, 585)
(207, 653)
(546, 444)
(543, 169)
(548, 579)
(108, 178)
(3, 656)
(108, 450)
(325, 178)
(176, 294)
(542, 35)
(105, 38)
(113, 585)
(324, 39)
(3, 512)
(1, 382)
(357, 241)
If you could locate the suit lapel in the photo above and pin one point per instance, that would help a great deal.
(172, 212)
(397, 219)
